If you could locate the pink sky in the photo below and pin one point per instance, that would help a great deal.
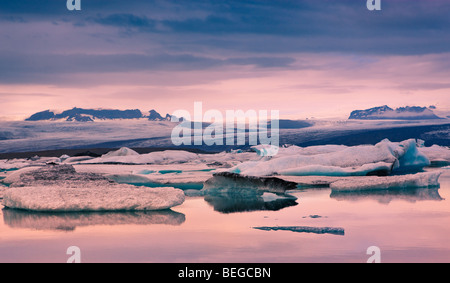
(321, 86)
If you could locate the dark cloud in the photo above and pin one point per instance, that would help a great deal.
(127, 21)
(201, 34)
(48, 68)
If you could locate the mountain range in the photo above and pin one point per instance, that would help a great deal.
(90, 115)
(401, 113)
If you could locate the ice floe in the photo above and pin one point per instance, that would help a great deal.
(438, 155)
(117, 198)
(126, 156)
(419, 180)
(235, 181)
(384, 157)
(60, 188)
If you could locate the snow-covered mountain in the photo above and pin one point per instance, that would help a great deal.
(402, 113)
(90, 115)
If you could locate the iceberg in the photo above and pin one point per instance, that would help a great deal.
(383, 158)
(13, 164)
(114, 198)
(124, 151)
(127, 156)
(379, 168)
(61, 188)
(438, 155)
(266, 150)
(418, 180)
(234, 181)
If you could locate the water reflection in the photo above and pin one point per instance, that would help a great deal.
(386, 196)
(247, 199)
(69, 221)
(229, 192)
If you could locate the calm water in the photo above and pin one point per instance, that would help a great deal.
(407, 226)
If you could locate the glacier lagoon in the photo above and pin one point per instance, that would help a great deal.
(407, 225)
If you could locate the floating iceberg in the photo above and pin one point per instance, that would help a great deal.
(419, 180)
(116, 198)
(234, 181)
(379, 168)
(266, 150)
(60, 188)
(13, 164)
(438, 155)
(124, 151)
(128, 156)
(380, 159)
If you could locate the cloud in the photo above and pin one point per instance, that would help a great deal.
(48, 68)
(307, 49)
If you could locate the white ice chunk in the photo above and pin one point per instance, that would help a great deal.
(419, 180)
(124, 151)
(437, 154)
(158, 157)
(321, 170)
(64, 157)
(77, 159)
(266, 149)
(339, 159)
(115, 198)
(13, 164)
(16, 175)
